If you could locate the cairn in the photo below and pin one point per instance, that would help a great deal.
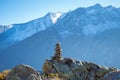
(58, 53)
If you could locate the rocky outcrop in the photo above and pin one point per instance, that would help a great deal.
(23, 72)
(70, 69)
(115, 75)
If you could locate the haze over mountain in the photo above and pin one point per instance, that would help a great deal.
(91, 34)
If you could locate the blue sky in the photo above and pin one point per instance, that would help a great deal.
(20, 11)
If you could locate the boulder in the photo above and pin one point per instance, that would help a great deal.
(23, 72)
(115, 75)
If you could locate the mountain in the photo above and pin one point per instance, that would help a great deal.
(90, 34)
(19, 32)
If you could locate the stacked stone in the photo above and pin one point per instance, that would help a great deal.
(58, 53)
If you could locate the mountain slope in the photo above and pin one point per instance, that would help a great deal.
(32, 50)
(102, 49)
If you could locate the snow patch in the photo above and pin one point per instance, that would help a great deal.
(55, 16)
(4, 28)
(10, 26)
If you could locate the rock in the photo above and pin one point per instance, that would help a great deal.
(70, 69)
(115, 75)
(23, 72)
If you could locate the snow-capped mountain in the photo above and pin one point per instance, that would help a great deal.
(91, 34)
(89, 21)
(5, 28)
(19, 32)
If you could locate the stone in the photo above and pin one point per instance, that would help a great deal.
(58, 53)
(115, 75)
(23, 72)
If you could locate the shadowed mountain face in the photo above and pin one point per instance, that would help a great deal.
(91, 34)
